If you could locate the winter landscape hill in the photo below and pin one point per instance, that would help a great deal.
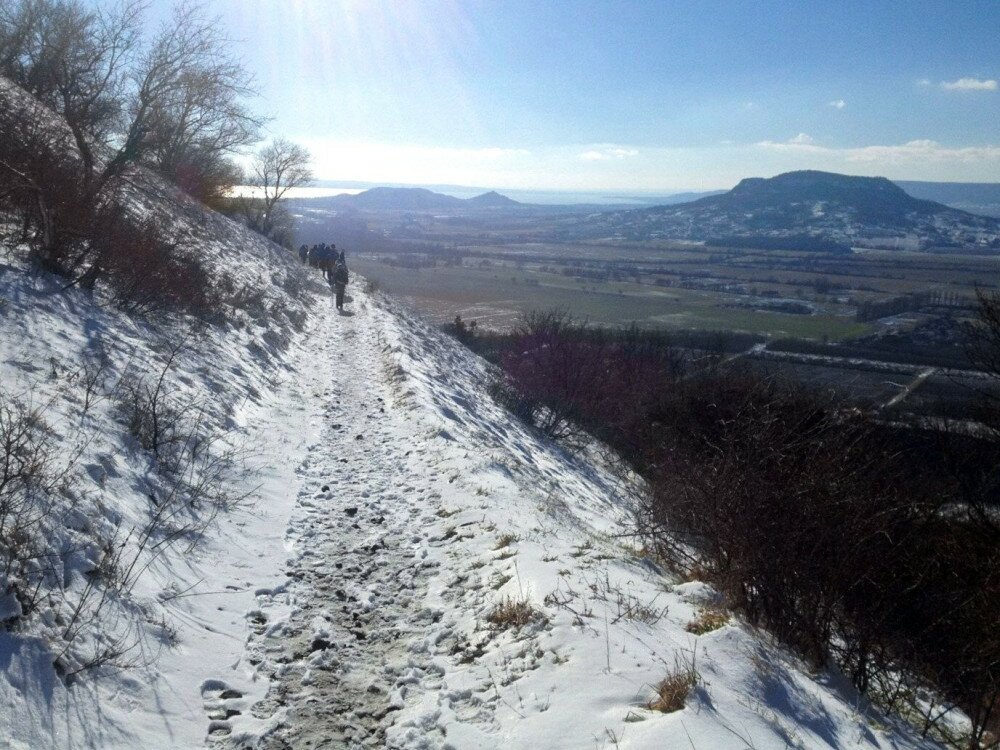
(278, 526)
(348, 598)
(798, 208)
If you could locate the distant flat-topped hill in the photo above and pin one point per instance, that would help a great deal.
(806, 195)
(811, 210)
(414, 199)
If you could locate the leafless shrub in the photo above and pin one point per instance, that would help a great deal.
(28, 477)
(103, 101)
(149, 274)
(508, 396)
(251, 298)
(579, 381)
(812, 521)
(627, 606)
(295, 284)
(79, 230)
(35, 479)
(297, 319)
(201, 473)
(815, 520)
(93, 378)
(557, 369)
(45, 187)
(160, 421)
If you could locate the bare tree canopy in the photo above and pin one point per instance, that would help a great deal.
(86, 95)
(277, 168)
(176, 103)
(188, 97)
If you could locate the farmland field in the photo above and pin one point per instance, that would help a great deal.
(495, 296)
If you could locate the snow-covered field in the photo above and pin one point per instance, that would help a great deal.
(393, 507)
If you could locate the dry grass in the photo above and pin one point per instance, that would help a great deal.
(707, 621)
(511, 613)
(673, 690)
(696, 572)
(505, 541)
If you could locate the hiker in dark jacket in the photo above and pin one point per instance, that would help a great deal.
(329, 262)
(340, 280)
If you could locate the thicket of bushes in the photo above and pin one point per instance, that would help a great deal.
(865, 545)
(90, 107)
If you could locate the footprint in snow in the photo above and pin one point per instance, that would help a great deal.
(221, 703)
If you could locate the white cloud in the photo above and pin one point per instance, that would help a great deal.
(970, 84)
(911, 152)
(924, 82)
(837, 104)
(603, 153)
(802, 140)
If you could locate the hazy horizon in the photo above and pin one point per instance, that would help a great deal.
(629, 97)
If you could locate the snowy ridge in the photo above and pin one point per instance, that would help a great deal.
(395, 505)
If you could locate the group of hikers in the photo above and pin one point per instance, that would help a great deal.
(332, 264)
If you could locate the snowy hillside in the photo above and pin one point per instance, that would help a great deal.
(107, 536)
(411, 567)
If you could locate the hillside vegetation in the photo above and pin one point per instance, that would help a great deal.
(867, 545)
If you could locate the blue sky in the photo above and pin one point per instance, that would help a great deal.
(626, 96)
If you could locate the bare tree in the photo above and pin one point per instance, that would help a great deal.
(277, 168)
(177, 104)
(187, 98)
(76, 61)
(101, 101)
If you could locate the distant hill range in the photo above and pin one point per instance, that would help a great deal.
(806, 210)
(413, 199)
(975, 197)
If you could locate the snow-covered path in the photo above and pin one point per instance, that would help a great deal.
(419, 507)
(360, 536)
